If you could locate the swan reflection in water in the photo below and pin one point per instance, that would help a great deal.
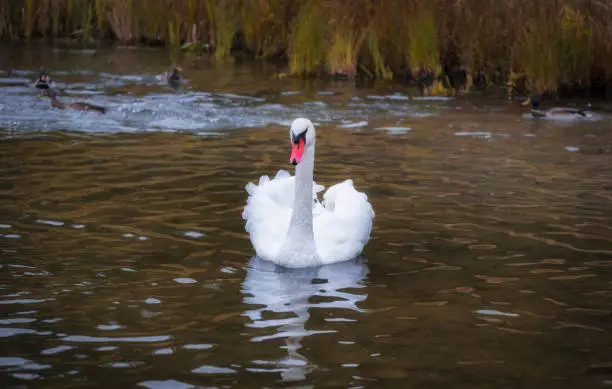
(282, 290)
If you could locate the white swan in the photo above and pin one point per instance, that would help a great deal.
(290, 227)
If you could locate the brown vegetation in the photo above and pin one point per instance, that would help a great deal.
(545, 44)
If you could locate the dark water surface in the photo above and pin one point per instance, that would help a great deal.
(125, 262)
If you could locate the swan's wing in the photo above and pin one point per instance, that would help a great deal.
(343, 228)
(268, 212)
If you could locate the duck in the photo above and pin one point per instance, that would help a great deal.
(289, 226)
(78, 105)
(173, 77)
(558, 112)
(43, 81)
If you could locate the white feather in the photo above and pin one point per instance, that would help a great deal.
(342, 222)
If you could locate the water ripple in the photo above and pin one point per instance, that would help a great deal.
(103, 339)
(124, 257)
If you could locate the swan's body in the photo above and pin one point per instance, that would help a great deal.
(290, 227)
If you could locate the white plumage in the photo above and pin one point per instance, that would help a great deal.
(340, 225)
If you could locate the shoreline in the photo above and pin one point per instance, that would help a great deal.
(204, 59)
(444, 45)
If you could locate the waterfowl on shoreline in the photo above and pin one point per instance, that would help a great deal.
(43, 81)
(173, 78)
(78, 105)
(556, 112)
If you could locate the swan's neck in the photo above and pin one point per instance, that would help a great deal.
(299, 247)
(302, 198)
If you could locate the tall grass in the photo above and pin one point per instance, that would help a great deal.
(346, 43)
(28, 18)
(376, 56)
(5, 20)
(224, 17)
(547, 43)
(263, 26)
(308, 39)
(121, 19)
(421, 50)
(378, 66)
(575, 41)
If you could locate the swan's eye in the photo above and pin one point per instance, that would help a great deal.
(296, 138)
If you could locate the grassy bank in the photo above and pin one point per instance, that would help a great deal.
(542, 46)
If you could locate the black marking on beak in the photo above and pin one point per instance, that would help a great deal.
(296, 138)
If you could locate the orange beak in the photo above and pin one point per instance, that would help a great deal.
(297, 149)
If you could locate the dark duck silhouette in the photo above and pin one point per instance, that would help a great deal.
(557, 112)
(78, 105)
(43, 81)
(173, 78)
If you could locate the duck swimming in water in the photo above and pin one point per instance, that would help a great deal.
(173, 78)
(43, 81)
(557, 112)
(78, 105)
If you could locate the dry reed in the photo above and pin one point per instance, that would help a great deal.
(547, 43)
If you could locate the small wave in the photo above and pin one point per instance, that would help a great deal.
(56, 350)
(108, 327)
(395, 130)
(185, 281)
(167, 384)
(241, 97)
(493, 312)
(104, 339)
(433, 98)
(7, 332)
(83, 92)
(354, 125)
(122, 365)
(208, 369)
(177, 124)
(50, 222)
(163, 351)
(477, 134)
(396, 97)
(25, 301)
(204, 346)
(106, 348)
(17, 320)
(14, 81)
(22, 363)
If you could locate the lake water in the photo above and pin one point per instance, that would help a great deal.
(125, 262)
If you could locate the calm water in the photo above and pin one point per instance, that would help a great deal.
(125, 262)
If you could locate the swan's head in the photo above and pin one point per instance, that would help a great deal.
(302, 135)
